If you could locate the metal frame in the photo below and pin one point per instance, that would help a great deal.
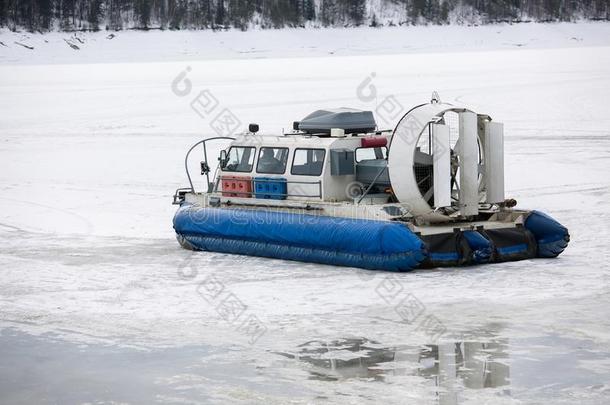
(205, 158)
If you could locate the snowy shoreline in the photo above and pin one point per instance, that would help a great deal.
(22, 48)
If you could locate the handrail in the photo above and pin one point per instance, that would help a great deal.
(205, 157)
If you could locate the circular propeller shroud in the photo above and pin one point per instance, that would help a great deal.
(411, 157)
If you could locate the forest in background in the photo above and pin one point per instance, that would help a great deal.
(73, 15)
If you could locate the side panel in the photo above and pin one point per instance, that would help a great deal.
(494, 162)
(442, 165)
(469, 160)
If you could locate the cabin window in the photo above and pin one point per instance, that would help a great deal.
(308, 162)
(371, 153)
(272, 160)
(240, 159)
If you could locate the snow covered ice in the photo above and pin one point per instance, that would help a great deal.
(99, 304)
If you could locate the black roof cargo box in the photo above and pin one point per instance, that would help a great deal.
(348, 119)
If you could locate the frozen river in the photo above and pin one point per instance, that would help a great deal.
(99, 304)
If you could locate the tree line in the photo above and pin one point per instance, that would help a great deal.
(69, 15)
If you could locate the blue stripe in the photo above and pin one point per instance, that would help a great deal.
(522, 247)
(444, 256)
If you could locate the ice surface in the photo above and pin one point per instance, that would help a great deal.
(90, 154)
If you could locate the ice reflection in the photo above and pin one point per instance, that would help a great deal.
(449, 366)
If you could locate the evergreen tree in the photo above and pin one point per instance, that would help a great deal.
(142, 12)
(219, 19)
(45, 14)
(444, 18)
(356, 8)
(309, 13)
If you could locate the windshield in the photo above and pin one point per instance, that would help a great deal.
(239, 159)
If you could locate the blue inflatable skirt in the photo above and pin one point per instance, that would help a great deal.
(368, 244)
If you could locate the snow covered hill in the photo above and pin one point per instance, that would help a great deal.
(139, 46)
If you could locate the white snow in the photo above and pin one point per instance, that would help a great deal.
(161, 46)
(91, 149)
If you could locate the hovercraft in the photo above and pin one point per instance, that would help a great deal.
(338, 191)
